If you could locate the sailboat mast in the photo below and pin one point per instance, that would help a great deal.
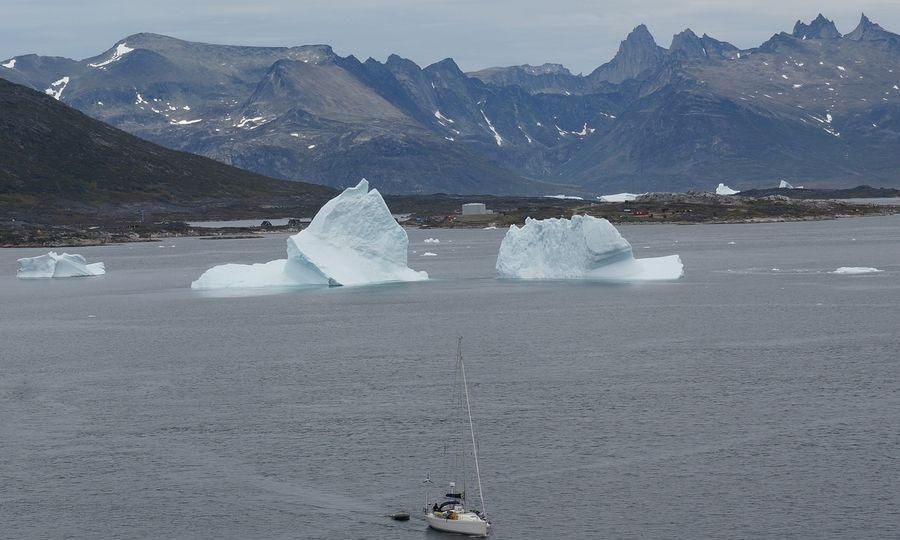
(462, 366)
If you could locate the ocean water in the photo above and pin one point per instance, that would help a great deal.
(758, 397)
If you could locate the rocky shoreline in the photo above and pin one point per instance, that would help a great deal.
(677, 208)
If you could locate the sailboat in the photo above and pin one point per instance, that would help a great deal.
(453, 513)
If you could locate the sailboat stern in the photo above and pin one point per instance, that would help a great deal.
(468, 523)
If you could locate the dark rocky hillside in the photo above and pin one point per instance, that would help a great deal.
(52, 157)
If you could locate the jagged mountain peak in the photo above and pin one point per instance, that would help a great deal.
(395, 62)
(640, 34)
(867, 30)
(637, 54)
(818, 28)
(447, 65)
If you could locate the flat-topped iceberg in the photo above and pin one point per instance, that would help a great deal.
(583, 247)
(618, 197)
(722, 189)
(353, 240)
(856, 270)
(54, 265)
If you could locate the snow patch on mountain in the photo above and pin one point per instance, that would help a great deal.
(497, 136)
(121, 50)
(10, 64)
(57, 87)
(442, 118)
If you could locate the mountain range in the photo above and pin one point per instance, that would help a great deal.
(811, 106)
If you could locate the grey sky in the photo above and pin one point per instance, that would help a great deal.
(578, 33)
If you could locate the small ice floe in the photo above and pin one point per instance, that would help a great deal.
(54, 265)
(490, 228)
(432, 241)
(856, 270)
(731, 243)
(564, 197)
(429, 254)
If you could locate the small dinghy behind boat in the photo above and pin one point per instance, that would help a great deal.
(452, 513)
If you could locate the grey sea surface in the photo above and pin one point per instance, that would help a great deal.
(757, 397)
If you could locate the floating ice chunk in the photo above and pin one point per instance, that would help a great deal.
(432, 241)
(732, 243)
(564, 197)
(11, 64)
(583, 247)
(352, 240)
(54, 265)
(722, 189)
(618, 197)
(856, 270)
(429, 254)
(490, 228)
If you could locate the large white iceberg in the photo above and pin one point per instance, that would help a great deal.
(54, 265)
(722, 189)
(353, 240)
(583, 247)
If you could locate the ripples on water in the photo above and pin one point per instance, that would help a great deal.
(739, 402)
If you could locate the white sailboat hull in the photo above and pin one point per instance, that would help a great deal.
(465, 523)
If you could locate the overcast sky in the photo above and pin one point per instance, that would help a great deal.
(477, 33)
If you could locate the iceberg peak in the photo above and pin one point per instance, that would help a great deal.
(352, 240)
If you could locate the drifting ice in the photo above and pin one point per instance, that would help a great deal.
(53, 265)
(583, 247)
(618, 197)
(856, 270)
(722, 189)
(353, 240)
(564, 197)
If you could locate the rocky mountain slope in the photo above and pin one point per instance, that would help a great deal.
(812, 106)
(52, 157)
